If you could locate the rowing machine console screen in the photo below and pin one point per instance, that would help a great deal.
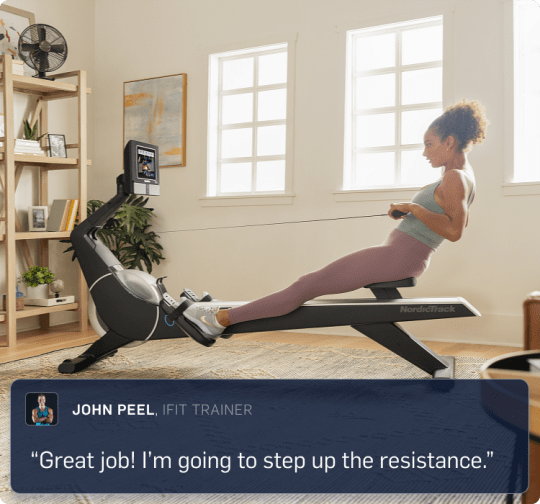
(141, 168)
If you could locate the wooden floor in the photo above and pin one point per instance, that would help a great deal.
(37, 342)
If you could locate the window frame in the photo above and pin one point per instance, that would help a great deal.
(510, 188)
(388, 193)
(214, 57)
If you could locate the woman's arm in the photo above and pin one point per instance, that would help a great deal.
(452, 222)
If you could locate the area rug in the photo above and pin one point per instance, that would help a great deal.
(227, 359)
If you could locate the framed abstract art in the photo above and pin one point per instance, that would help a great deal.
(155, 113)
(13, 22)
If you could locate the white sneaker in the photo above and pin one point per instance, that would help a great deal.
(204, 317)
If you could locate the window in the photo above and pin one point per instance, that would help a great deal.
(526, 92)
(250, 126)
(394, 90)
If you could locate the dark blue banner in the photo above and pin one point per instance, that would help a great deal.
(269, 436)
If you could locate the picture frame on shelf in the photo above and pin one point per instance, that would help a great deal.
(13, 22)
(57, 145)
(37, 218)
(155, 112)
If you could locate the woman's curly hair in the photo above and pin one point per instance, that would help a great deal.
(466, 121)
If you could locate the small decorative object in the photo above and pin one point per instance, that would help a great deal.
(57, 146)
(155, 113)
(19, 299)
(57, 287)
(37, 218)
(37, 280)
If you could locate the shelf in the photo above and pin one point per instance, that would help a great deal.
(47, 89)
(51, 163)
(12, 163)
(39, 235)
(33, 311)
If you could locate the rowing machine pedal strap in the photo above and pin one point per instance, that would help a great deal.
(175, 312)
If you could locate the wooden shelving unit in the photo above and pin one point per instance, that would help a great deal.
(13, 164)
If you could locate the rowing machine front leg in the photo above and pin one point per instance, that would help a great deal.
(398, 340)
(105, 346)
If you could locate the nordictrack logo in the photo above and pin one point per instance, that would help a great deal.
(428, 309)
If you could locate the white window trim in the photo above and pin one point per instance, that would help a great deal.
(447, 12)
(511, 188)
(282, 198)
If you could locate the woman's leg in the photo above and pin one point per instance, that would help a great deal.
(396, 259)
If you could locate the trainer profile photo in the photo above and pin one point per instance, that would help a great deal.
(41, 409)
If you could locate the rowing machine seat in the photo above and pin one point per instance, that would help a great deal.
(389, 290)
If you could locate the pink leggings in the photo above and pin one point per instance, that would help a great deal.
(400, 256)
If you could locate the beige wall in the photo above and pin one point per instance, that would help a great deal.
(493, 266)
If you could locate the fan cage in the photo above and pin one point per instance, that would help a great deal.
(36, 58)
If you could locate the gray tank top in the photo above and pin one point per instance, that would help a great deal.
(415, 227)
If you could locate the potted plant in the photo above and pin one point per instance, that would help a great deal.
(37, 280)
(127, 234)
(31, 133)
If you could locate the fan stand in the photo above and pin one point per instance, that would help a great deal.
(42, 75)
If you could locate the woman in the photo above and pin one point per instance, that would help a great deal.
(437, 212)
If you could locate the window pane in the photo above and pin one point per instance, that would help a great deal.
(235, 177)
(237, 108)
(236, 143)
(375, 169)
(272, 105)
(270, 176)
(421, 86)
(527, 150)
(415, 169)
(378, 51)
(273, 69)
(271, 140)
(376, 91)
(527, 92)
(415, 123)
(422, 45)
(237, 73)
(375, 130)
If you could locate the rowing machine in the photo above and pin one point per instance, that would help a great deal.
(131, 307)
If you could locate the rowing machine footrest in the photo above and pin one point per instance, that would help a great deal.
(189, 294)
(207, 298)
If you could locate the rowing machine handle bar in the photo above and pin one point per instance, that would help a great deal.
(396, 214)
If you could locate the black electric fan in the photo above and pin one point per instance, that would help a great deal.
(42, 48)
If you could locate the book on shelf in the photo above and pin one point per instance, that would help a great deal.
(23, 146)
(72, 215)
(59, 215)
